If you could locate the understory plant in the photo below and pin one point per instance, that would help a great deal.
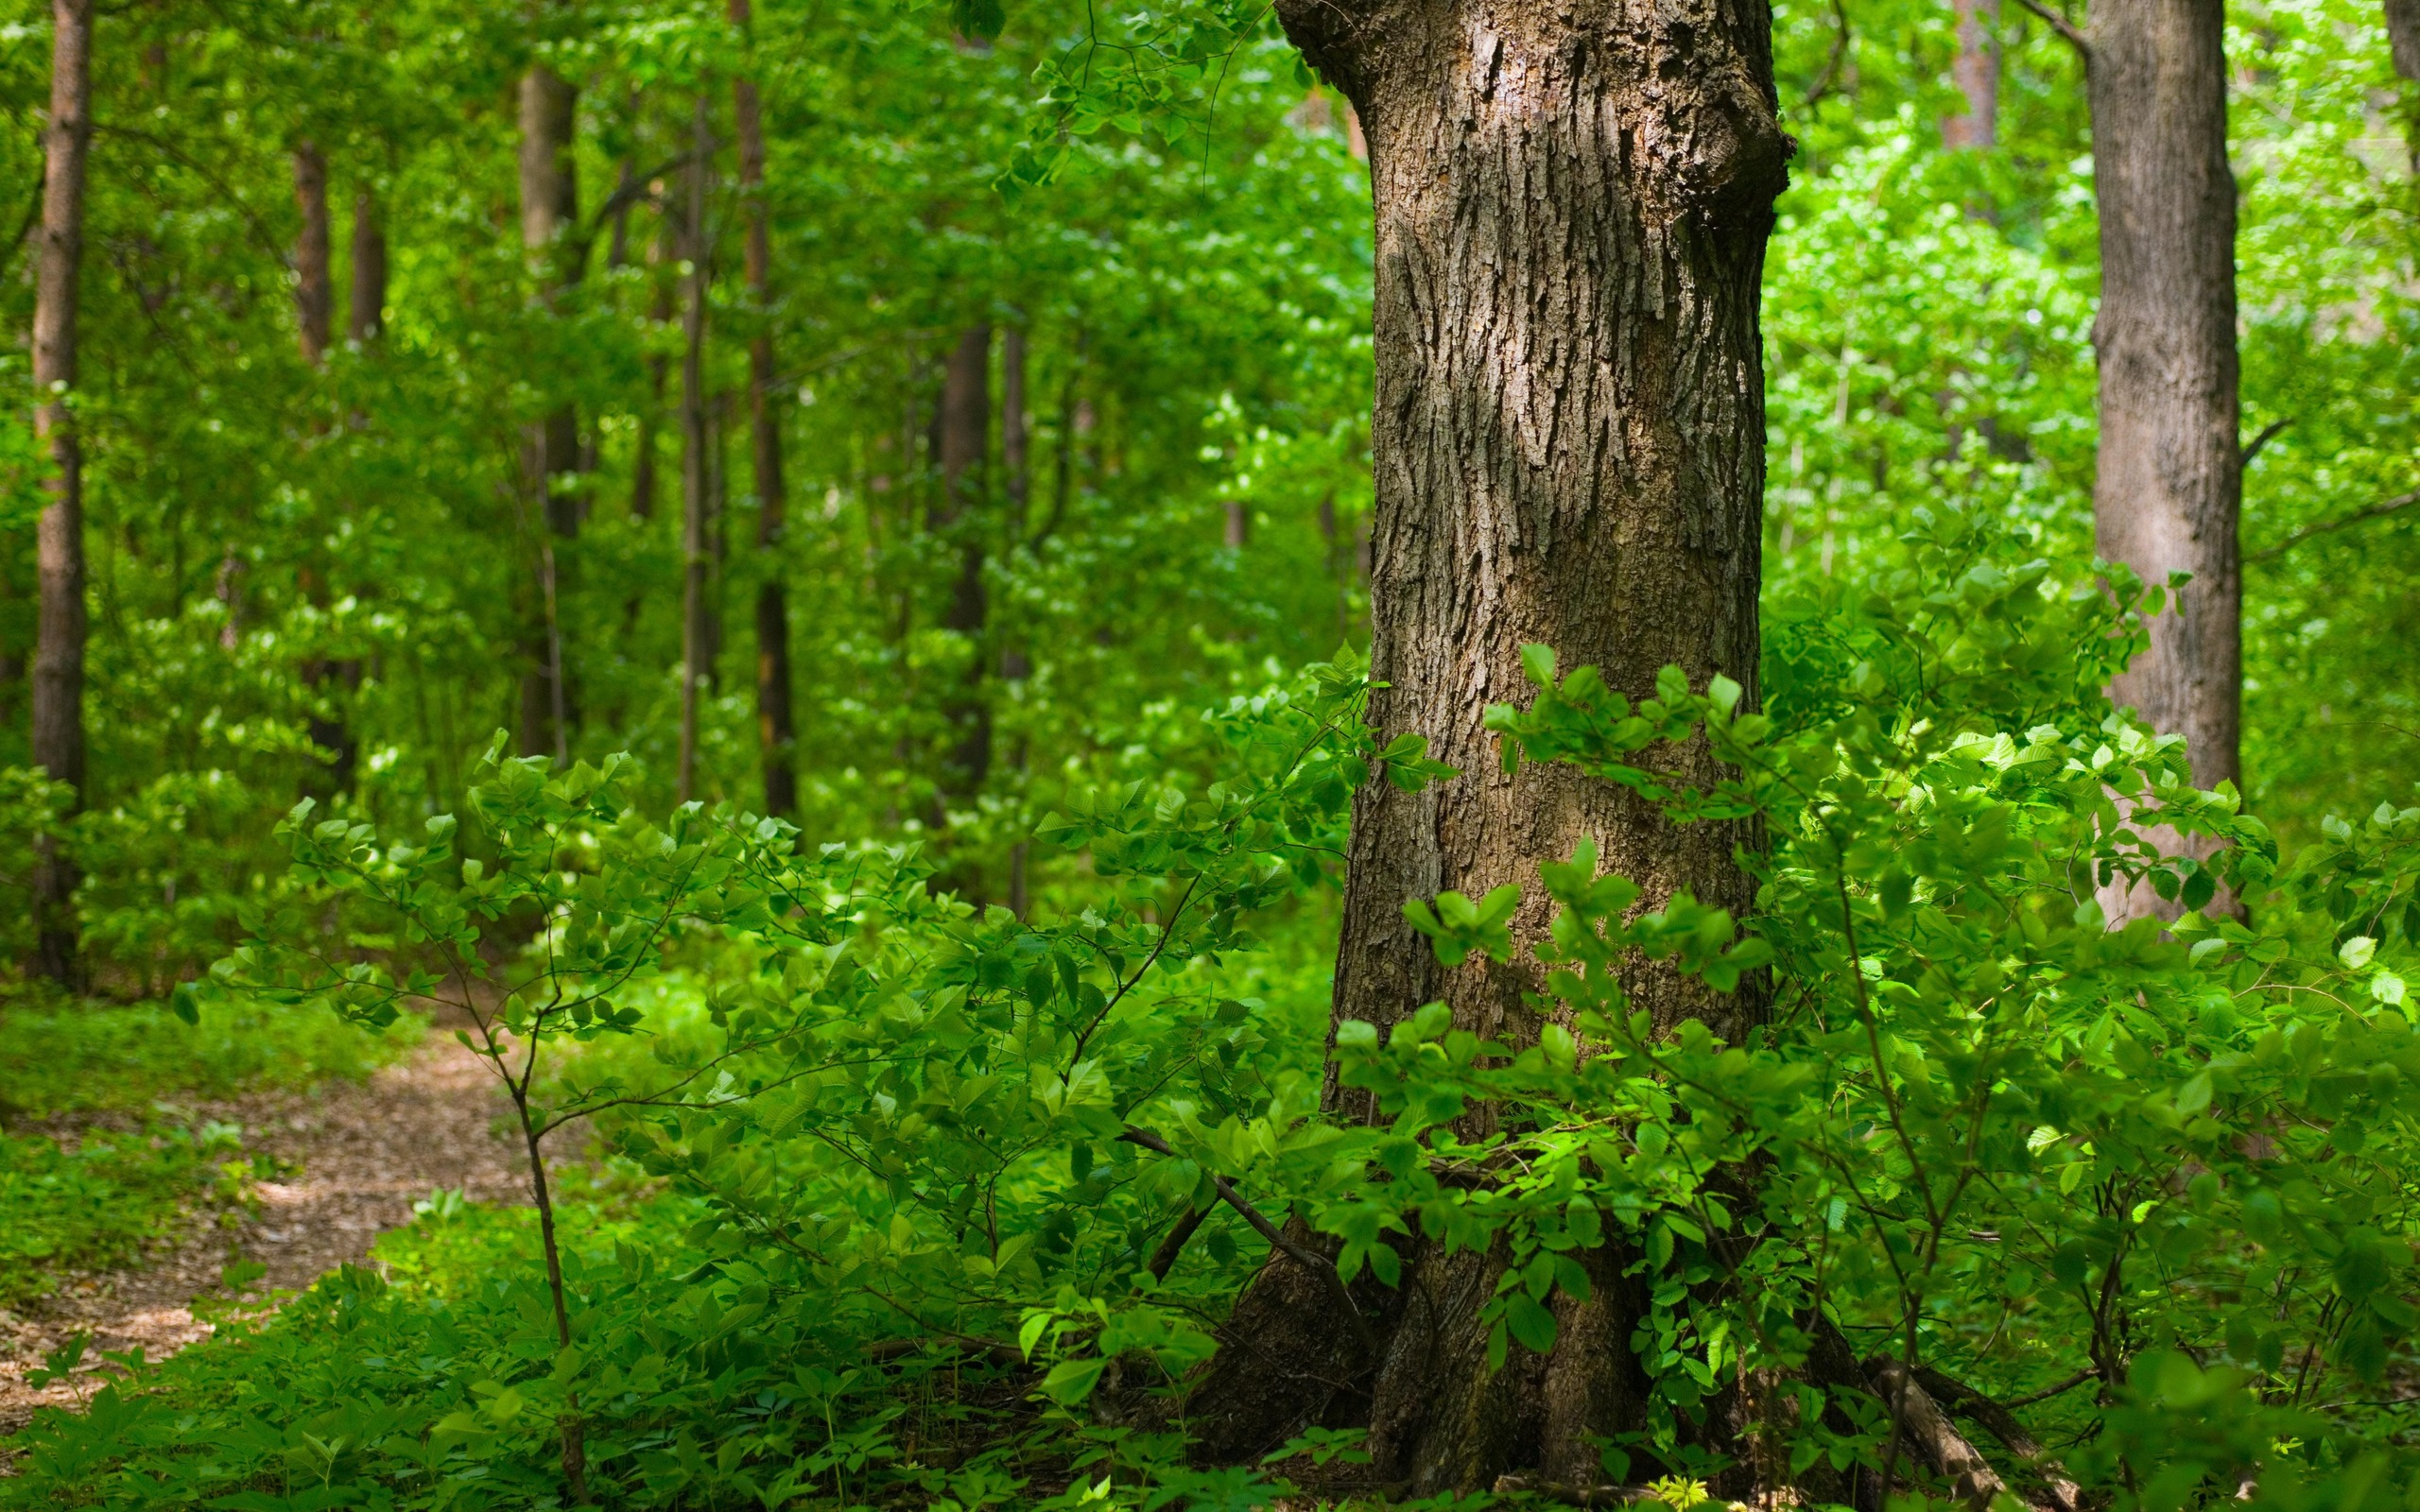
(961, 1197)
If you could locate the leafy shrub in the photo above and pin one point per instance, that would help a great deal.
(1980, 1131)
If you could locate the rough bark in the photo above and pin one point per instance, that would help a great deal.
(965, 423)
(58, 710)
(776, 731)
(695, 558)
(366, 314)
(1975, 71)
(2169, 483)
(314, 282)
(1568, 447)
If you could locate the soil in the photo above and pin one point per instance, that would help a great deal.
(360, 1156)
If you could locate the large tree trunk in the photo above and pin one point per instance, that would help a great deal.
(550, 446)
(2403, 44)
(1568, 446)
(697, 628)
(965, 425)
(58, 545)
(1975, 71)
(366, 318)
(2171, 477)
(776, 733)
(314, 284)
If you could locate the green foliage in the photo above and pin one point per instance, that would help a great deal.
(106, 1057)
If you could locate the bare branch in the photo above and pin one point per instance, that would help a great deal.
(2065, 28)
(2268, 432)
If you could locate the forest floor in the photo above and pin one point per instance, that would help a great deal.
(357, 1155)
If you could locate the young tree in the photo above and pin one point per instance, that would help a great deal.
(776, 731)
(1569, 443)
(2169, 481)
(59, 651)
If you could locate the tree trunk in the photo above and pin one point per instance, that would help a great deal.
(59, 535)
(1568, 448)
(550, 446)
(314, 285)
(1975, 71)
(777, 734)
(966, 426)
(696, 556)
(660, 256)
(2169, 481)
(2403, 44)
(366, 319)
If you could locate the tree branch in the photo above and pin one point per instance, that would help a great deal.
(2401, 501)
(2001, 1424)
(2063, 28)
(2268, 432)
(1971, 1478)
(1164, 1257)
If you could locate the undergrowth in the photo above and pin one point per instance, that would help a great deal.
(81, 1057)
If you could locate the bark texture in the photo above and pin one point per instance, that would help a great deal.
(366, 314)
(2403, 37)
(58, 534)
(1975, 71)
(2170, 480)
(314, 282)
(776, 729)
(1569, 443)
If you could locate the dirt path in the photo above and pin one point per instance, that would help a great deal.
(366, 1152)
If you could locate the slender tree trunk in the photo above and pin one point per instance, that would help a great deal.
(696, 556)
(777, 734)
(1016, 666)
(314, 285)
(550, 446)
(660, 256)
(366, 318)
(964, 425)
(1568, 446)
(2169, 481)
(58, 534)
(1975, 71)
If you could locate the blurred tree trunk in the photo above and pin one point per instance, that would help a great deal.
(314, 281)
(551, 447)
(1975, 71)
(2403, 41)
(1015, 664)
(697, 630)
(777, 734)
(1571, 211)
(58, 746)
(2169, 482)
(661, 256)
(366, 316)
(965, 423)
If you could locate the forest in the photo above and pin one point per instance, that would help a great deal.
(1346, 754)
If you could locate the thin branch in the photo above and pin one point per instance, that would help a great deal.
(2401, 501)
(1830, 77)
